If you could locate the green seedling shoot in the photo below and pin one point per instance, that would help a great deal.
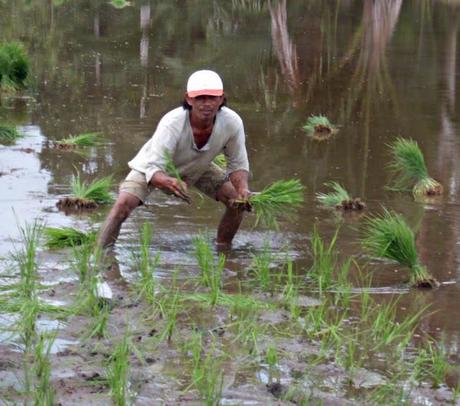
(339, 198)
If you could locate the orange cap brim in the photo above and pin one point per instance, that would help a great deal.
(207, 92)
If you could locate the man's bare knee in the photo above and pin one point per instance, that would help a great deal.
(124, 205)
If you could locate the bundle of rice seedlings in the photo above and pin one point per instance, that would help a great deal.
(66, 237)
(339, 198)
(389, 236)
(120, 3)
(220, 161)
(409, 169)
(87, 196)
(8, 134)
(82, 140)
(319, 127)
(14, 66)
(280, 199)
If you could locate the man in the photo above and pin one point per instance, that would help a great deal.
(191, 136)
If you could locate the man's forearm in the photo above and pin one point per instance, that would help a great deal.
(239, 181)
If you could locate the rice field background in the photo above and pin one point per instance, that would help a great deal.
(304, 311)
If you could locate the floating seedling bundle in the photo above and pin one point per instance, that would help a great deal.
(87, 196)
(91, 139)
(319, 127)
(389, 236)
(8, 134)
(66, 237)
(14, 66)
(280, 199)
(409, 169)
(339, 198)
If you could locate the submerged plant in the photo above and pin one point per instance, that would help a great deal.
(82, 140)
(389, 236)
(8, 134)
(87, 196)
(280, 199)
(66, 237)
(409, 170)
(339, 198)
(14, 66)
(319, 127)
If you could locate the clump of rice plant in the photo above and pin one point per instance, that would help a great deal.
(319, 127)
(409, 170)
(14, 66)
(220, 161)
(389, 236)
(91, 139)
(66, 237)
(280, 199)
(8, 134)
(118, 371)
(44, 391)
(339, 198)
(120, 3)
(87, 196)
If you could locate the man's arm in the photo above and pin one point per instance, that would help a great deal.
(239, 179)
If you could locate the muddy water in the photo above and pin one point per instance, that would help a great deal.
(376, 69)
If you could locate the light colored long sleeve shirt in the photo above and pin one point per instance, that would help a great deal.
(174, 135)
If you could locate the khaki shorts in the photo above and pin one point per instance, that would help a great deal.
(209, 183)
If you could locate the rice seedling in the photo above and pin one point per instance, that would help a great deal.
(44, 391)
(14, 66)
(339, 198)
(209, 379)
(172, 170)
(170, 309)
(261, 267)
(280, 199)
(319, 127)
(272, 359)
(118, 370)
(87, 196)
(91, 139)
(220, 161)
(325, 261)
(146, 265)
(409, 170)
(216, 280)
(431, 363)
(389, 236)
(8, 134)
(63, 237)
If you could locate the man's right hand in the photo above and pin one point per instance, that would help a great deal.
(172, 185)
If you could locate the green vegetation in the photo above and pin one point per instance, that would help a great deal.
(66, 237)
(409, 171)
(87, 196)
(91, 139)
(280, 199)
(8, 134)
(339, 198)
(118, 371)
(120, 3)
(389, 236)
(319, 127)
(14, 67)
(220, 161)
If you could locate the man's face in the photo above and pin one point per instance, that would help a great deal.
(205, 107)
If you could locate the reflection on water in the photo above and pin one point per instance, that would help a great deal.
(378, 68)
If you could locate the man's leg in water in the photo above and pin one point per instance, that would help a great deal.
(120, 211)
(232, 218)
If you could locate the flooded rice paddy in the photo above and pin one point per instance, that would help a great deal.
(276, 321)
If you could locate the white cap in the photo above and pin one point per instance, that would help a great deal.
(204, 82)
